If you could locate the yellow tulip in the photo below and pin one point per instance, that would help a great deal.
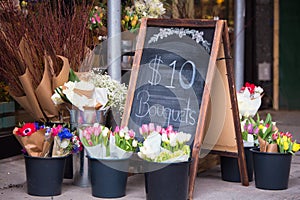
(133, 23)
(278, 141)
(135, 17)
(285, 139)
(126, 18)
(261, 126)
(296, 147)
(285, 145)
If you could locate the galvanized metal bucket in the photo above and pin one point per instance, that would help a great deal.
(81, 172)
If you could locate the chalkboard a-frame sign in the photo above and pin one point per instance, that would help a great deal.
(182, 76)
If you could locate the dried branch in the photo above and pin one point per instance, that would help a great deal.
(49, 28)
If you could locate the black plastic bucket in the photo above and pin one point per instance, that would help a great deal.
(230, 167)
(169, 183)
(271, 170)
(106, 180)
(44, 175)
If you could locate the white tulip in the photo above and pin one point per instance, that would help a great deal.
(134, 143)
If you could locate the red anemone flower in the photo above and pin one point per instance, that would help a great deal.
(27, 129)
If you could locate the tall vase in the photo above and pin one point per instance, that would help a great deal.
(271, 170)
(81, 173)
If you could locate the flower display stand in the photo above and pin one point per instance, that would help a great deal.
(230, 167)
(271, 170)
(44, 175)
(108, 177)
(169, 182)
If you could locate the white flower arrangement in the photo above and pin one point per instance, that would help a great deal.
(93, 90)
(116, 91)
(164, 145)
(149, 8)
(249, 99)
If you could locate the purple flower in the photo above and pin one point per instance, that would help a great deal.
(250, 128)
(256, 130)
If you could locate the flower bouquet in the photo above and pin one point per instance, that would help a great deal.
(249, 132)
(285, 142)
(132, 15)
(91, 91)
(249, 99)
(164, 145)
(268, 137)
(37, 140)
(102, 143)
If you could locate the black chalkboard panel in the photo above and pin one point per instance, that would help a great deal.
(171, 77)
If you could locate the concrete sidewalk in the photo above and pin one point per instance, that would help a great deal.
(208, 185)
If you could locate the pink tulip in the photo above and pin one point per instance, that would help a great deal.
(145, 128)
(289, 135)
(170, 129)
(151, 127)
(56, 130)
(98, 19)
(274, 136)
(97, 132)
(131, 133)
(158, 129)
(117, 129)
(87, 136)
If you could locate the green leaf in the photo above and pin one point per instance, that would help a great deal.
(245, 135)
(268, 119)
(72, 76)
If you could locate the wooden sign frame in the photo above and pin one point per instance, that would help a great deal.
(220, 60)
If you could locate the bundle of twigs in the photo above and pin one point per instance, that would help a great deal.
(29, 39)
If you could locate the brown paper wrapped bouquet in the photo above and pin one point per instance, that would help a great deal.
(44, 141)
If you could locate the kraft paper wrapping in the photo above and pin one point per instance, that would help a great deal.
(44, 92)
(87, 93)
(63, 75)
(57, 150)
(35, 144)
(26, 53)
(25, 80)
(267, 147)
